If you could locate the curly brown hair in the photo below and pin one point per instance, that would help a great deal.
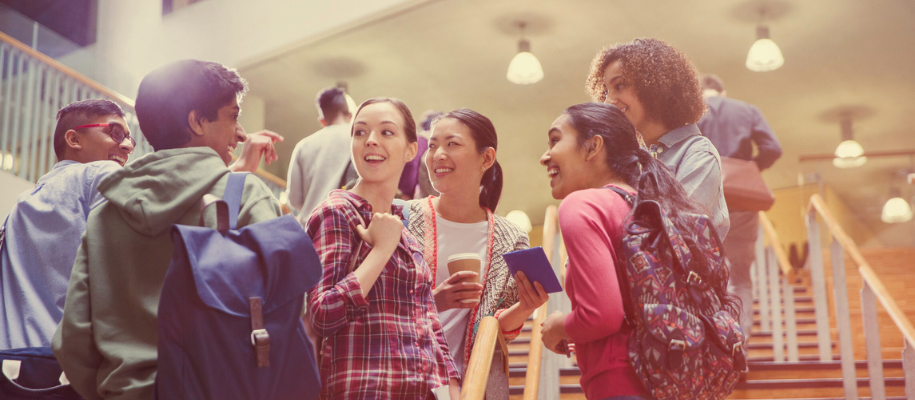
(666, 82)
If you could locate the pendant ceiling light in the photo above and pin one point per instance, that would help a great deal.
(764, 55)
(525, 68)
(896, 210)
(849, 154)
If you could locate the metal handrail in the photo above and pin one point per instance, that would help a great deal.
(871, 291)
(867, 273)
(101, 90)
(66, 70)
(535, 354)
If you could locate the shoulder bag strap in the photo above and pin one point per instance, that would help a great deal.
(234, 188)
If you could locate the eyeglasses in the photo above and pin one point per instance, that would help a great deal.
(117, 132)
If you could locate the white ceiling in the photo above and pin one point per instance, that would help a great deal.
(447, 54)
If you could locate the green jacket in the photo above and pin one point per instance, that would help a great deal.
(107, 339)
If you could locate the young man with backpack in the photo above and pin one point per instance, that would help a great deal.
(188, 111)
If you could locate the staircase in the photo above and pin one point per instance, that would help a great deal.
(809, 377)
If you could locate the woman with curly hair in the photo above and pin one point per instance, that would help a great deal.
(658, 90)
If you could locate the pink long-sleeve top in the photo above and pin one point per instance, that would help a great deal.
(592, 225)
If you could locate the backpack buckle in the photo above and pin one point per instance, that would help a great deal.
(693, 276)
(260, 337)
(675, 351)
(738, 347)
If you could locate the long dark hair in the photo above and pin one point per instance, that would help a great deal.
(651, 178)
(484, 135)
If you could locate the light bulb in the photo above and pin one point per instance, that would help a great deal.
(848, 155)
(520, 219)
(764, 55)
(524, 69)
(896, 210)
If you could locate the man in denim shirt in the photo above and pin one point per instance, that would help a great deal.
(733, 127)
(43, 229)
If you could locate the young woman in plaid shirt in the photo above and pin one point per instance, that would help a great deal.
(462, 166)
(381, 334)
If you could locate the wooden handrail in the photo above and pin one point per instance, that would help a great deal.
(474, 385)
(124, 100)
(66, 70)
(871, 154)
(817, 205)
(534, 355)
(772, 237)
(267, 176)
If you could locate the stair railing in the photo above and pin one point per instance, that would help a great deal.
(488, 335)
(776, 296)
(872, 290)
(535, 354)
(33, 87)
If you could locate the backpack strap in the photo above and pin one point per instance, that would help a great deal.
(406, 211)
(234, 188)
(625, 195)
(3, 232)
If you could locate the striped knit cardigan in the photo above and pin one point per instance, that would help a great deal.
(499, 291)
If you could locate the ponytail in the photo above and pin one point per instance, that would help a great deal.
(491, 187)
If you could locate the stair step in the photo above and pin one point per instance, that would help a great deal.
(802, 357)
(808, 365)
(811, 320)
(797, 310)
(800, 332)
(751, 385)
(799, 299)
(808, 383)
(800, 345)
(519, 369)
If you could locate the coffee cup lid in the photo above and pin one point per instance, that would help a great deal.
(464, 256)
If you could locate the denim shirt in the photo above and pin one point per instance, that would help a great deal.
(42, 235)
(696, 164)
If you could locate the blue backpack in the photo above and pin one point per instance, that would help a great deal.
(230, 310)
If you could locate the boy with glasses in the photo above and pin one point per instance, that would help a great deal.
(44, 227)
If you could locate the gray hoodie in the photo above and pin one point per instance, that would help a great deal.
(107, 339)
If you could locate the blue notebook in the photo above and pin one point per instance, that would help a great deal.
(536, 267)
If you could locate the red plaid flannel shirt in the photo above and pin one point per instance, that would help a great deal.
(389, 344)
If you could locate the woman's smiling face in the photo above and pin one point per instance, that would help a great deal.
(565, 159)
(379, 145)
(453, 161)
(621, 93)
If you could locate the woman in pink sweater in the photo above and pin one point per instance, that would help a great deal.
(592, 147)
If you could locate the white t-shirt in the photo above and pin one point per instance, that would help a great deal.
(456, 238)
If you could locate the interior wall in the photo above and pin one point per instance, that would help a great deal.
(134, 37)
(787, 215)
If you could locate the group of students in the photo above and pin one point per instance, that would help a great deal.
(392, 322)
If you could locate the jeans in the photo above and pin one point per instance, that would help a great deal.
(740, 247)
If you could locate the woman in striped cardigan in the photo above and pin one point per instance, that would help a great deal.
(462, 166)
